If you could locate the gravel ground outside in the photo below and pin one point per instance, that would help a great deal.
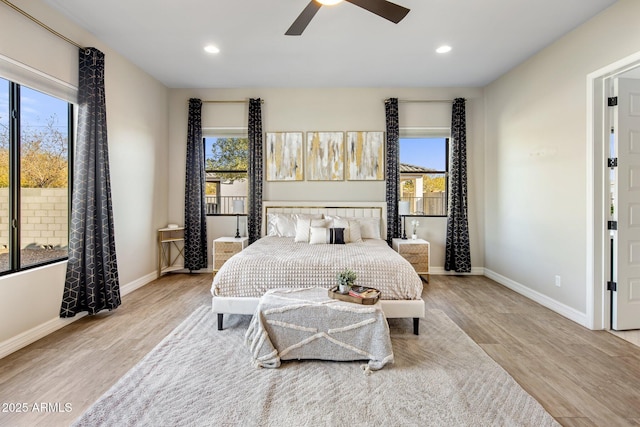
(31, 256)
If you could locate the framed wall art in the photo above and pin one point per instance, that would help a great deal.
(284, 156)
(325, 156)
(365, 156)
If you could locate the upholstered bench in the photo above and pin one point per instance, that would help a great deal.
(306, 324)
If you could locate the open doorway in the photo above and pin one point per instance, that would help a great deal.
(614, 293)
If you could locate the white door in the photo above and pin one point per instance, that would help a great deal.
(626, 299)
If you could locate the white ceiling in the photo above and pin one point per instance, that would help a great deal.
(343, 46)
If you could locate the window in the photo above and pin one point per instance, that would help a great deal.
(424, 166)
(226, 160)
(35, 139)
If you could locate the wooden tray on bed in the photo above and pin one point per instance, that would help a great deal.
(333, 293)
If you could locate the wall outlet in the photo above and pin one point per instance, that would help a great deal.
(558, 281)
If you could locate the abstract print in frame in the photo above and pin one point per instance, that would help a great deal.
(325, 156)
(284, 156)
(365, 156)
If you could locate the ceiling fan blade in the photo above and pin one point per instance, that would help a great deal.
(383, 8)
(303, 19)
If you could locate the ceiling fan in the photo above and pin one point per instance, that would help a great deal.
(382, 8)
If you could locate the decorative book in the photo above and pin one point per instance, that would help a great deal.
(363, 292)
(358, 294)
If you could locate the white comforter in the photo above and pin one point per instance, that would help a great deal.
(279, 262)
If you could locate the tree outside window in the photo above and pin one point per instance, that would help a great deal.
(226, 165)
(34, 177)
(423, 174)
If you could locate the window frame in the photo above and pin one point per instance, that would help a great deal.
(429, 133)
(15, 188)
(223, 133)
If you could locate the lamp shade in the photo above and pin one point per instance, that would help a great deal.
(403, 208)
(238, 206)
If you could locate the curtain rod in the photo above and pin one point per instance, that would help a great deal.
(402, 101)
(225, 102)
(42, 24)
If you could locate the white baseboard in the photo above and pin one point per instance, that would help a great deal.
(475, 271)
(553, 305)
(34, 334)
(138, 283)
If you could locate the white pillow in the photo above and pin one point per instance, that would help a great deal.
(369, 228)
(271, 225)
(303, 228)
(281, 225)
(351, 229)
(355, 234)
(318, 235)
(331, 220)
(284, 224)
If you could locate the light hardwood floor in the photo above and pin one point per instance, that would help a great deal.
(582, 377)
(632, 336)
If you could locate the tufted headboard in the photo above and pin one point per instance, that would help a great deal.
(344, 209)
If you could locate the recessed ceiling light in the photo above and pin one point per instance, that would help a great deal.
(329, 2)
(211, 49)
(443, 49)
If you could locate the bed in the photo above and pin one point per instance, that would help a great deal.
(296, 252)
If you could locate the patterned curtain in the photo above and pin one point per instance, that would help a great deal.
(195, 219)
(392, 168)
(254, 208)
(457, 252)
(92, 282)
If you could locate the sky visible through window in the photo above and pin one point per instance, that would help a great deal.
(426, 152)
(207, 146)
(36, 108)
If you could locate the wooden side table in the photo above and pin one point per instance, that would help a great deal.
(226, 247)
(167, 238)
(416, 252)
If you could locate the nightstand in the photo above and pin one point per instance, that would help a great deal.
(226, 247)
(416, 252)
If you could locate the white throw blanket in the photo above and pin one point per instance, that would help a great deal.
(306, 324)
(279, 262)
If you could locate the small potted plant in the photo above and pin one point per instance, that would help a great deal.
(345, 280)
(414, 233)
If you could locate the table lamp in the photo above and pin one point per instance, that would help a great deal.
(238, 208)
(403, 210)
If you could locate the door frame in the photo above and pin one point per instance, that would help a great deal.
(598, 128)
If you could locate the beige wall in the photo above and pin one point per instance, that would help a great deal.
(137, 109)
(536, 161)
(333, 109)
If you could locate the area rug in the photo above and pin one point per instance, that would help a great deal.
(198, 376)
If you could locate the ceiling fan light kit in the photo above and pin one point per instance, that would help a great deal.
(383, 8)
